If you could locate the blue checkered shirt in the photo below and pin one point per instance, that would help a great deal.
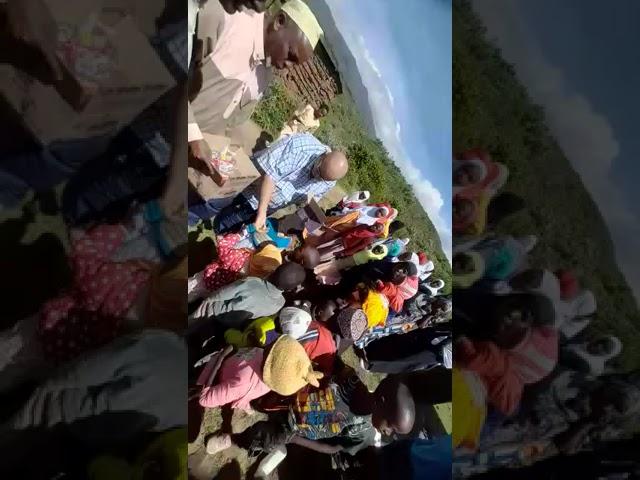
(289, 162)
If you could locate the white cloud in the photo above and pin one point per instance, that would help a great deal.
(389, 130)
(585, 135)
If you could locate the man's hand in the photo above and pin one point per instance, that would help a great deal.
(32, 22)
(200, 159)
(261, 222)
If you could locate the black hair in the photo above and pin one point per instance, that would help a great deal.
(502, 206)
(288, 276)
(412, 270)
(395, 226)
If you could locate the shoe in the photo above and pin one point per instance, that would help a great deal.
(218, 443)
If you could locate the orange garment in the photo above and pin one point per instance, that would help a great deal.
(342, 223)
(398, 294)
(265, 261)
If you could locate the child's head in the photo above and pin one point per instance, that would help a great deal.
(401, 270)
(612, 400)
(463, 209)
(324, 310)
(405, 257)
(514, 315)
(462, 263)
(394, 409)
(606, 346)
(322, 111)
(307, 256)
(502, 206)
(381, 212)
(288, 276)
(395, 226)
(468, 173)
(376, 228)
(378, 250)
(295, 318)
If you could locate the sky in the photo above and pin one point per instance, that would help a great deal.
(581, 62)
(404, 59)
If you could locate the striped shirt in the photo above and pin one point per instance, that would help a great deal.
(289, 162)
(377, 333)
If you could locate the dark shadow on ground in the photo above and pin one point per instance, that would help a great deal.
(231, 471)
(201, 253)
(31, 274)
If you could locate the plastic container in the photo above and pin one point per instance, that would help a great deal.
(271, 461)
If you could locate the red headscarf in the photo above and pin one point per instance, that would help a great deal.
(568, 284)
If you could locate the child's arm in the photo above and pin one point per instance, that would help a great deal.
(220, 394)
(315, 445)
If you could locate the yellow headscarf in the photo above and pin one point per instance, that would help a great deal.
(265, 261)
(302, 15)
(470, 409)
(376, 307)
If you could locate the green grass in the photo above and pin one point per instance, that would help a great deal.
(492, 110)
(370, 167)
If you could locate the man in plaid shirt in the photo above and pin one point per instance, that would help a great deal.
(294, 169)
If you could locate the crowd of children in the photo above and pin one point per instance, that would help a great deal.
(530, 379)
(273, 314)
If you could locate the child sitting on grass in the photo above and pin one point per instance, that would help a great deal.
(328, 273)
(284, 368)
(343, 417)
(235, 262)
(521, 347)
(249, 298)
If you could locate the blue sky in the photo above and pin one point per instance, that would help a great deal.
(581, 62)
(404, 59)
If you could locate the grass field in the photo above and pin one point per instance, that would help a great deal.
(370, 167)
(492, 111)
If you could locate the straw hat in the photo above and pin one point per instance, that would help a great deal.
(287, 367)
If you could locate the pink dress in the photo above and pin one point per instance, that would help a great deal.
(239, 381)
(89, 315)
(227, 269)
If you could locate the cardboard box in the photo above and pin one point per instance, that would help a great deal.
(112, 75)
(243, 174)
(310, 217)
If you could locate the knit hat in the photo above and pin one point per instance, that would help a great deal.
(352, 323)
(302, 15)
(287, 367)
(294, 321)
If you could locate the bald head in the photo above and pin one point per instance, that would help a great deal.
(288, 276)
(333, 166)
(395, 409)
(306, 255)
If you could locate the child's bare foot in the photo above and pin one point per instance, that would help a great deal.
(218, 443)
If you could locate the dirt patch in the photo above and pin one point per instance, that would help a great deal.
(235, 461)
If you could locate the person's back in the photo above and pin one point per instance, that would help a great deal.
(246, 299)
(328, 414)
